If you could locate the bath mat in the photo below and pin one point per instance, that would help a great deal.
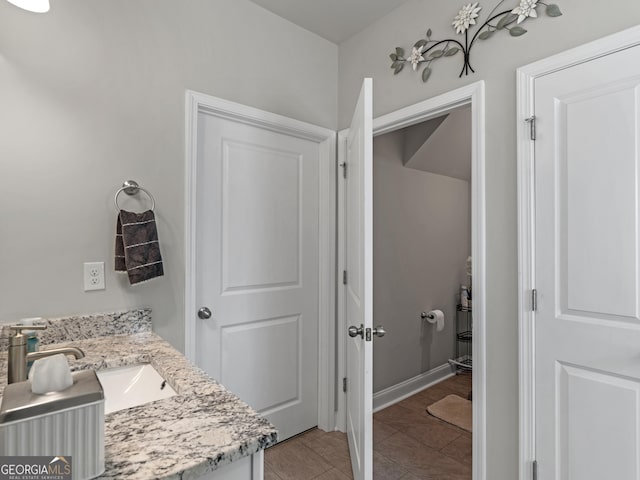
(454, 410)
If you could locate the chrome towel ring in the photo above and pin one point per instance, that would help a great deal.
(131, 187)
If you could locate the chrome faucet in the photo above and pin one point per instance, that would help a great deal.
(18, 355)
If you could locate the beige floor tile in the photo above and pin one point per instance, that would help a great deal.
(293, 460)
(334, 474)
(460, 384)
(333, 441)
(420, 400)
(460, 449)
(269, 474)
(311, 435)
(381, 430)
(343, 464)
(438, 392)
(386, 469)
(416, 402)
(334, 448)
(434, 433)
(397, 416)
(418, 458)
(409, 476)
(436, 473)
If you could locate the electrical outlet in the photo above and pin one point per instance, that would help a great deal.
(93, 276)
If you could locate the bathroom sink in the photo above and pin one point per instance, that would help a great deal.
(126, 387)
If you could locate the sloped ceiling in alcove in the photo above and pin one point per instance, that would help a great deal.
(441, 145)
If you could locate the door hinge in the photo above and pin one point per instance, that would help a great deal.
(344, 384)
(534, 300)
(344, 169)
(534, 470)
(344, 277)
(532, 126)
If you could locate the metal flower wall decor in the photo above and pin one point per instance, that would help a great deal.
(426, 50)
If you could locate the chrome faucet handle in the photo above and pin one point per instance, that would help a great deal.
(17, 353)
(19, 328)
(17, 339)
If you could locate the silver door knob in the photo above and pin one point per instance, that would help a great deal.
(204, 313)
(379, 331)
(355, 331)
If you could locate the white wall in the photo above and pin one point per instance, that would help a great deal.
(421, 241)
(92, 93)
(495, 61)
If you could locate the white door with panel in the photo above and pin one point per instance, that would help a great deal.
(257, 267)
(358, 259)
(587, 270)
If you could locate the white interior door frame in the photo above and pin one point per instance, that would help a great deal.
(197, 103)
(474, 95)
(526, 77)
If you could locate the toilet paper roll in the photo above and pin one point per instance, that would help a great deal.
(50, 374)
(436, 317)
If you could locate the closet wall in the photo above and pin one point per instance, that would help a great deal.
(421, 240)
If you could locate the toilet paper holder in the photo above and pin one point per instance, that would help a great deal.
(434, 317)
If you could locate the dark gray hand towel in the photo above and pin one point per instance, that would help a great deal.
(137, 247)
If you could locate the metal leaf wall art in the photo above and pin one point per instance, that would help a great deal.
(427, 50)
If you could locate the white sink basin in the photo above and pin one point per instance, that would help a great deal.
(126, 387)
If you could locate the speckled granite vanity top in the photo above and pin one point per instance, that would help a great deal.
(200, 429)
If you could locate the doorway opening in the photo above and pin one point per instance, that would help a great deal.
(470, 97)
(422, 253)
(422, 294)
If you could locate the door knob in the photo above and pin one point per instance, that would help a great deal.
(379, 331)
(355, 331)
(204, 313)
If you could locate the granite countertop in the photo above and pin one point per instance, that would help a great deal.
(197, 431)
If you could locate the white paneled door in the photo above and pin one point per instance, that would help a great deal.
(257, 267)
(358, 250)
(587, 270)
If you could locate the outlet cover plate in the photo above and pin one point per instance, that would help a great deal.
(93, 276)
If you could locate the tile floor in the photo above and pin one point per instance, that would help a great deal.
(408, 444)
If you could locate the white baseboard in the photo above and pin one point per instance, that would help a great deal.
(396, 393)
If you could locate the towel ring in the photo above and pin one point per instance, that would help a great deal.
(131, 187)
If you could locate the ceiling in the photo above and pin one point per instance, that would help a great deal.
(335, 20)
